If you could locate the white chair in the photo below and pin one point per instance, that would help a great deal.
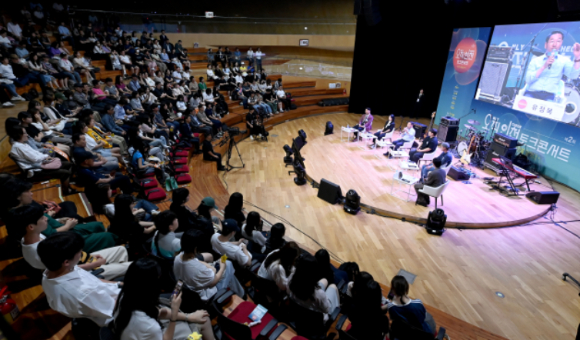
(435, 192)
(448, 167)
(428, 157)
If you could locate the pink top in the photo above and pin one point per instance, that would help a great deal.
(100, 95)
(121, 86)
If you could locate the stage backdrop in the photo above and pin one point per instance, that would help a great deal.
(552, 146)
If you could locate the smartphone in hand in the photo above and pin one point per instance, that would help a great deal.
(177, 288)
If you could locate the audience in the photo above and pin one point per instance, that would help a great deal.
(403, 308)
(279, 265)
(235, 250)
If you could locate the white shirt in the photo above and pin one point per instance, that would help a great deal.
(91, 142)
(66, 64)
(275, 273)
(31, 255)
(210, 73)
(234, 252)
(6, 71)
(239, 79)
(280, 93)
(196, 276)
(5, 41)
(125, 59)
(14, 29)
(207, 97)
(26, 156)
(250, 54)
(79, 294)
(256, 236)
(177, 75)
(181, 106)
(142, 327)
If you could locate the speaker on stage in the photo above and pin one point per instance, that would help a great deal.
(544, 197)
(419, 129)
(447, 133)
(329, 192)
(458, 174)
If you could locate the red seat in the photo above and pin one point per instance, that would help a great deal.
(298, 337)
(183, 178)
(181, 153)
(148, 183)
(155, 194)
(181, 168)
(241, 313)
(146, 175)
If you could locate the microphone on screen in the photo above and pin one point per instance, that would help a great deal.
(555, 55)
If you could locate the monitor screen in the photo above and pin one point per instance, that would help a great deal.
(532, 68)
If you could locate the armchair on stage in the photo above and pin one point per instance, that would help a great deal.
(383, 141)
(427, 157)
(435, 192)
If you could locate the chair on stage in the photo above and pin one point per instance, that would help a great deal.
(383, 141)
(435, 192)
(428, 157)
(447, 168)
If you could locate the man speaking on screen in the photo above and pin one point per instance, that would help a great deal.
(545, 72)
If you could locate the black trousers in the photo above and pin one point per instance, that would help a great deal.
(218, 160)
(122, 182)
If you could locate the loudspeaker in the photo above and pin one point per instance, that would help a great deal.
(544, 197)
(502, 150)
(447, 133)
(419, 129)
(371, 11)
(329, 192)
(458, 174)
(493, 80)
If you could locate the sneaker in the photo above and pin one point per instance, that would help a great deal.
(7, 104)
(372, 146)
(281, 111)
(251, 137)
(154, 212)
(18, 99)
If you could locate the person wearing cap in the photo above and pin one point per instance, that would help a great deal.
(445, 157)
(428, 145)
(205, 207)
(80, 97)
(235, 251)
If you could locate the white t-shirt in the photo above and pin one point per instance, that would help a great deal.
(196, 276)
(31, 255)
(208, 97)
(91, 142)
(142, 327)
(80, 294)
(280, 93)
(275, 273)
(256, 236)
(234, 252)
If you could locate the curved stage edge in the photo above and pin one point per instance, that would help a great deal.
(334, 149)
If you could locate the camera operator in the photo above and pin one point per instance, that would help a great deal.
(253, 124)
(210, 155)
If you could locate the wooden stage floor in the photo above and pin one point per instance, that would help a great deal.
(352, 165)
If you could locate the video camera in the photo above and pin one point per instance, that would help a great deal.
(233, 131)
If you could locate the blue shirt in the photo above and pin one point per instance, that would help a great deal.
(549, 79)
(63, 30)
(413, 313)
(134, 85)
(446, 159)
(134, 160)
(109, 123)
(237, 55)
(119, 112)
(88, 177)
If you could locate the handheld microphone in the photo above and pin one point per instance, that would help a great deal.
(554, 54)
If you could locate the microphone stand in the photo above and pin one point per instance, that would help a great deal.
(524, 70)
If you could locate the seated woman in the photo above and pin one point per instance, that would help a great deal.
(200, 276)
(234, 208)
(409, 310)
(388, 128)
(252, 231)
(306, 288)
(368, 319)
(49, 128)
(150, 131)
(127, 226)
(205, 207)
(141, 150)
(275, 238)
(36, 164)
(138, 315)
(143, 210)
(187, 218)
(328, 271)
(279, 265)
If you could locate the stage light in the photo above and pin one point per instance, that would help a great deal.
(288, 159)
(300, 178)
(436, 222)
(329, 128)
(352, 202)
(302, 135)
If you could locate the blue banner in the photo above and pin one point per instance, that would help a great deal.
(549, 144)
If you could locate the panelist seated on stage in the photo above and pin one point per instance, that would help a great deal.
(407, 135)
(388, 128)
(428, 145)
(446, 158)
(434, 179)
(545, 72)
(364, 124)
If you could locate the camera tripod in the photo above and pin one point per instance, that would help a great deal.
(231, 144)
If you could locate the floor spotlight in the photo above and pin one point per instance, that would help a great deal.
(436, 222)
(352, 202)
(302, 135)
(329, 128)
(300, 178)
(288, 158)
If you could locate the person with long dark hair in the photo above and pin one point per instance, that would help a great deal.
(368, 320)
(205, 207)
(252, 231)
(309, 291)
(234, 208)
(275, 238)
(388, 128)
(125, 224)
(328, 271)
(280, 264)
(139, 316)
(409, 310)
(185, 215)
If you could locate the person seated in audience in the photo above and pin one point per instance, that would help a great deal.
(210, 155)
(253, 124)
(407, 135)
(138, 314)
(90, 179)
(275, 239)
(406, 309)
(200, 275)
(96, 143)
(306, 288)
(429, 145)
(252, 231)
(381, 133)
(187, 218)
(48, 128)
(111, 124)
(279, 265)
(234, 208)
(187, 134)
(215, 124)
(166, 243)
(128, 64)
(125, 222)
(196, 125)
(283, 101)
(26, 121)
(205, 207)
(142, 209)
(142, 167)
(31, 222)
(435, 178)
(367, 316)
(270, 99)
(236, 251)
(446, 159)
(101, 164)
(69, 289)
(37, 164)
(327, 270)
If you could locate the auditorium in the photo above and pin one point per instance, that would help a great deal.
(293, 170)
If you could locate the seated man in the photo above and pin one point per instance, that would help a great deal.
(187, 134)
(31, 222)
(445, 156)
(236, 251)
(102, 164)
(365, 124)
(69, 289)
(407, 135)
(428, 145)
(90, 178)
(253, 124)
(434, 179)
(210, 155)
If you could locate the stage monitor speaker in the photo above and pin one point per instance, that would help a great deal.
(544, 197)
(447, 133)
(502, 150)
(493, 80)
(458, 174)
(371, 11)
(419, 129)
(329, 192)
(333, 101)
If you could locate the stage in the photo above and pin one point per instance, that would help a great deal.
(352, 165)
